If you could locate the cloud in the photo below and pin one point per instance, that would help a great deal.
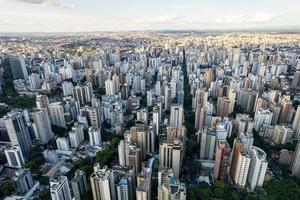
(53, 3)
(158, 20)
(181, 7)
(249, 18)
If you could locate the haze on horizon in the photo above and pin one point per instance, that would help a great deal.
(120, 15)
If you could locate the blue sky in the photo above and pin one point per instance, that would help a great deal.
(115, 15)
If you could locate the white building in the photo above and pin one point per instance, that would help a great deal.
(95, 136)
(258, 167)
(62, 144)
(35, 81)
(262, 117)
(176, 117)
(43, 126)
(56, 113)
(76, 135)
(59, 189)
(14, 157)
(67, 88)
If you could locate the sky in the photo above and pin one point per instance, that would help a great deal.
(132, 15)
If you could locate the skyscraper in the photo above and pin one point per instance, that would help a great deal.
(22, 181)
(18, 66)
(43, 126)
(57, 114)
(42, 101)
(94, 136)
(222, 160)
(285, 111)
(207, 140)
(76, 135)
(262, 117)
(176, 117)
(79, 184)
(102, 184)
(59, 188)
(296, 124)
(258, 167)
(171, 155)
(14, 157)
(296, 163)
(223, 107)
(17, 130)
(240, 163)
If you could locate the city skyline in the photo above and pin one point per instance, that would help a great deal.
(133, 15)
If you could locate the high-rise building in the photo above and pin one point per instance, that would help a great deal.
(142, 115)
(18, 67)
(22, 181)
(76, 135)
(43, 125)
(223, 107)
(171, 155)
(296, 163)
(102, 183)
(42, 101)
(296, 81)
(222, 160)
(243, 123)
(165, 175)
(285, 111)
(151, 138)
(79, 184)
(35, 81)
(282, 134)
(296, 124)
(94, 136)
(67, 88)
(262, 117)
(247, 139)
(207, 140)
(231, 97)
(258, 167)
(143, 190)
(59, 188)
(17, 130)
(200, 117)
(240, 163)
(62, 144)
(126, 187)
(14, 157)
(176, 117)
(57, 114)
(200, 98)
(156, 118)
(172, 191)
(168, 98)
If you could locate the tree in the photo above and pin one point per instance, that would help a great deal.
(106, 156)
(6, 188)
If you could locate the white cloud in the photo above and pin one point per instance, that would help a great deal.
(181, 7)
(249, 18)
(53, 3)
(168, 19)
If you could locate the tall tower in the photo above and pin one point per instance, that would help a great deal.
(17, 130)
(258, 167)
(59, 189)
(43, 126)
(296, 124)
(240, 163)
(176, 117)
(296, 162)
(103, 186)
(222, 160)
